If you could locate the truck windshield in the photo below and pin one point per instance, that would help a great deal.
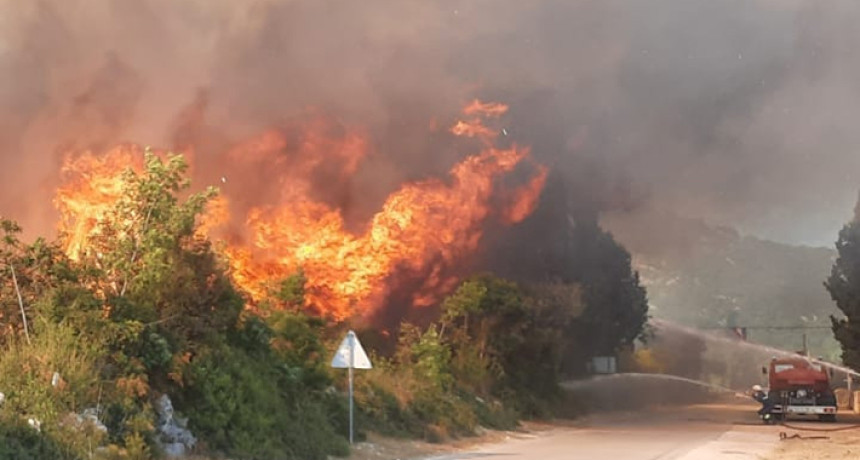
(782, 367)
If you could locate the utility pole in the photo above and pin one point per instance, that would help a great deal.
(805, 345)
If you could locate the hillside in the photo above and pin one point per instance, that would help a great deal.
(713, 277)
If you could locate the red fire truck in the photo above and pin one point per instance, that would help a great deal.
(799, 386)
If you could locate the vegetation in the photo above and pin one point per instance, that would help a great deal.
(148, 309)
(712, 277)
(562, 246)
(844, 287)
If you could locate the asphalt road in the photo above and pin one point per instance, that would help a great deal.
(705, 432)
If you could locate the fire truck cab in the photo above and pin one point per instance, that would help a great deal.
(800, 386)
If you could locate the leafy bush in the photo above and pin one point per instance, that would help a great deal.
(147, 308)
(415, 393)
(19, 441)
(252, 410)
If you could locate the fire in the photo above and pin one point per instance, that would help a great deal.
(216, 214)
(93, 185)
(525, 198)
(422, 224)
(293, 224)
(474, 127)
(486, 109)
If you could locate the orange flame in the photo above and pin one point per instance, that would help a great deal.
(422, 228)
(422, 224)
(216, 214)
(93, 185)
(474, 127)
(526, 197)
(488, 109)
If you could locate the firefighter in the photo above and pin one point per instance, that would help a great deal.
(767, 404)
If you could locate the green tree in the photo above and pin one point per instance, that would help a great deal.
(504, 342)
(562, 242)
(148, 308)
(616, 303)
(844, 287)
(166, 294)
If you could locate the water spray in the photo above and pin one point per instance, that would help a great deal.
(763, 348)
(581, 384)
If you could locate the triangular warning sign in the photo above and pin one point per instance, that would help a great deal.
(350, 346)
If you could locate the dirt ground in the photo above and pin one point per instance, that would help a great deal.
(816, 443)
(803, 438)
(382, 448)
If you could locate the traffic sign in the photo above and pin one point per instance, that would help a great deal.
(350, 355)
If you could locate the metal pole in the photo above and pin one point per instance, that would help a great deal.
(351, 429)
(351, 365)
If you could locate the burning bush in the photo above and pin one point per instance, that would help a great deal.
(170, 293)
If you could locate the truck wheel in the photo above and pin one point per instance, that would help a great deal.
(830, 418)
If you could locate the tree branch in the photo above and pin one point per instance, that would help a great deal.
(136, 247)
(20, 302)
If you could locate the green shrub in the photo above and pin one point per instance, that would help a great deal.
(19, 441)
(26, 372)
(493, 414)
(252, 409)
(414, 393)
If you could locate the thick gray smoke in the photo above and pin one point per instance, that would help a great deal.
(738, 112)
(857, 211)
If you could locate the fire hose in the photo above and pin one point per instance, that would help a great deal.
(822, 430)
(783, 436)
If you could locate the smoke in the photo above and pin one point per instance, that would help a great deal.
(736, 112)
(857, 210)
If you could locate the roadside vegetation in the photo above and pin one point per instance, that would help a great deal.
(89, 345)
(844, 287)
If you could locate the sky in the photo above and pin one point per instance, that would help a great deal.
(738, 113)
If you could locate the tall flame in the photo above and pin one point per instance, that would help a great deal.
(423, 227)
(92, 186)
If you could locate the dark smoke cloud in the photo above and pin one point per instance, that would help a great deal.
(737, 112)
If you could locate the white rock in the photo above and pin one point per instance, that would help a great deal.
(173, 434)
(91, 415)
(36, 424)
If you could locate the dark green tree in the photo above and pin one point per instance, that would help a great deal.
(616, 303)
(562, 242)
(502, 342)
(844, 287)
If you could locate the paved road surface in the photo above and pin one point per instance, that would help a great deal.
(711, 432)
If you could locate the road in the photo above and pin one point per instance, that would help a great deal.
(704, 432)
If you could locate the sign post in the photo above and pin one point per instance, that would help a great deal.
(350, 355)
